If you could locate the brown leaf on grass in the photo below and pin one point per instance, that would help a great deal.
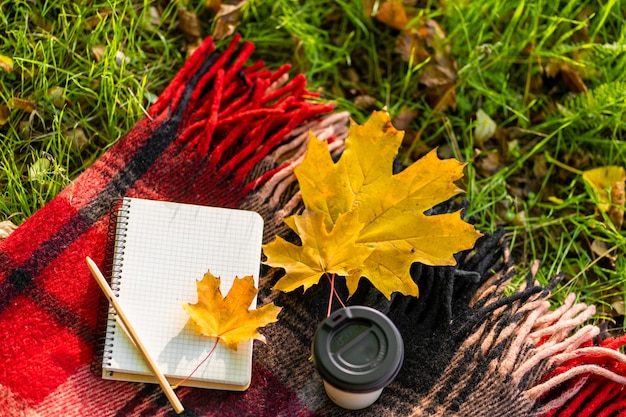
(6, 228)
(618, 198)
(403, 120)
(601, 249)
(571, 75)
(228, 18)
(428, 42)
(56, 95)
(485, 127)
(98, 52)
(573, 80)
(93, 21)
(364, 101)
(5, 114)
(489, 164)
(418, 44)
(619, 307)
(22, 104)
(410, 44)
(190, 27)
(76, 137)
(213, 5)
(392, 13)
(188, 24)
(229, 318)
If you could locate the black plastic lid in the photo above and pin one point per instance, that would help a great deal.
(358, 349)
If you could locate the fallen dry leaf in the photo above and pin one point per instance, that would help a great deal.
(607, 184)
(6, 63)
(440, 72)
(392, 13)
(417, 44)
(228, 18)
(189, 25)
(618, 198)
(403, 119)
(618, 306)
(229, 318)
(6, 228)
(360, 220)
(601, 249)
(485, 127)
(98, 52)
(489, 164)
(76, 137)
(364, 101)
(56, 95)
(213, 5)
(570, 75)
(5, 114)
(22, 104)
(412, 46)
(93, 21)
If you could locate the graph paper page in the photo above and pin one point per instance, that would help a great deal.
(167, 247)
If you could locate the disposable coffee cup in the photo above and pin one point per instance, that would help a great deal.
(357, 351)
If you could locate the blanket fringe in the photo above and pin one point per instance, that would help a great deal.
(552, 356)
(586, 380)
(231, 117)
(551, 361)
(231, 127)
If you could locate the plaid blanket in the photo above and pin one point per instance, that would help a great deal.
(228, 133)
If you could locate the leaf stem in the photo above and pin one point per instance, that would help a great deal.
(334, 292)
(217, 339)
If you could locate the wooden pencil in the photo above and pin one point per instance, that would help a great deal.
(165, 385)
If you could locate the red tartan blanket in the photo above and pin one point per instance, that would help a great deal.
(229, 133)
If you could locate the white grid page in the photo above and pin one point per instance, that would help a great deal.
(168, 247)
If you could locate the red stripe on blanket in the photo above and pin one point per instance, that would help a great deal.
(43, 356)
(36, 230)
(82, 296)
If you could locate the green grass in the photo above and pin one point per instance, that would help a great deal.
(502, 50)
(77, 95)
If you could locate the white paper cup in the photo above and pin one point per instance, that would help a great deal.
(357, 351)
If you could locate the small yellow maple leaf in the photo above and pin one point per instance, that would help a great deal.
(369, 222)
(229, 318)
(607, 184)
(602, 180)
(6, 63)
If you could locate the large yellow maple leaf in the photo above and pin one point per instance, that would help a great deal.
(368, 222)
(334, 252)
(229, 318)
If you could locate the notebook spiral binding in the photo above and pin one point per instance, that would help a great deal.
(112, 268)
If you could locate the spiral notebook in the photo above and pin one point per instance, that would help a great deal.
(158, 251)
